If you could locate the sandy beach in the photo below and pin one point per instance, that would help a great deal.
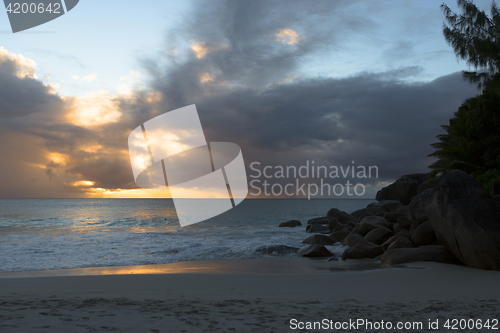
(259, 295)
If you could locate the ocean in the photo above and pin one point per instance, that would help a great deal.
(43, 234)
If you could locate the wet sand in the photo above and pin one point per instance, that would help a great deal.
(257, 295)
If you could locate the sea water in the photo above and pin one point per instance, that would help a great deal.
(41, 234)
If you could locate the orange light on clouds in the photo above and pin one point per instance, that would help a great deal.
(169, 142)
(93, 110)
(90, 148)
(83, 183)
(201, 49)
(288, 36)
(206, 77)
(57, 158)
(162, 193)
(99, 192)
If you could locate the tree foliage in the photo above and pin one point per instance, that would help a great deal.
(475, 38)
(472, 139)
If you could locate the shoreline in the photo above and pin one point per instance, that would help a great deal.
(361, 279)
(261, 265)
(231, 299)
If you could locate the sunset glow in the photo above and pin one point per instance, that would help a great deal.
(94, 110)
(83, 183)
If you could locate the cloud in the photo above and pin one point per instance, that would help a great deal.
(21, 93)
(93, 109)
(248, 88)
(381, 118)
(90, 78)
(201, 49)
(288, 36)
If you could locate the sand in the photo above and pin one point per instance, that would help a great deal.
(258, 295)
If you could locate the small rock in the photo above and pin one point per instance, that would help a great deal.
(277, 249)
(290, 224)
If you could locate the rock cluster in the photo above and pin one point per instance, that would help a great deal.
(450, 219)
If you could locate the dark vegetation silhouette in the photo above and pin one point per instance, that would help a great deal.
(472, 139)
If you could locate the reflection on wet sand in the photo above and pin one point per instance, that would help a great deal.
(268, 265)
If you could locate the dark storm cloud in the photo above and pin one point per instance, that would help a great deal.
(250, 54)
(20, 96)
(372, 118)
(365, 118)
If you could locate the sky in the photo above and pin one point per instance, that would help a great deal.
(340, 83)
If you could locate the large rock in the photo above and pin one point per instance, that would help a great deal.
(378, 235)
(369, 223)
(290, 224)
(403, 189)
(496, 187)
(403, 210)
(318, 220)
(401, 242)
(318, 239)
(417, 212)
(339, 236)
(398, 228)
(387, 205)
(334, 223)
(388, 242)
(352, 240)
(437, 253)
(319, 228)
(277, 249)
(368, 211)
(341, 216)
(363, 249)
(315, 250)
(392, 216)
(404, 222)
(423, 235)
(466, 219)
